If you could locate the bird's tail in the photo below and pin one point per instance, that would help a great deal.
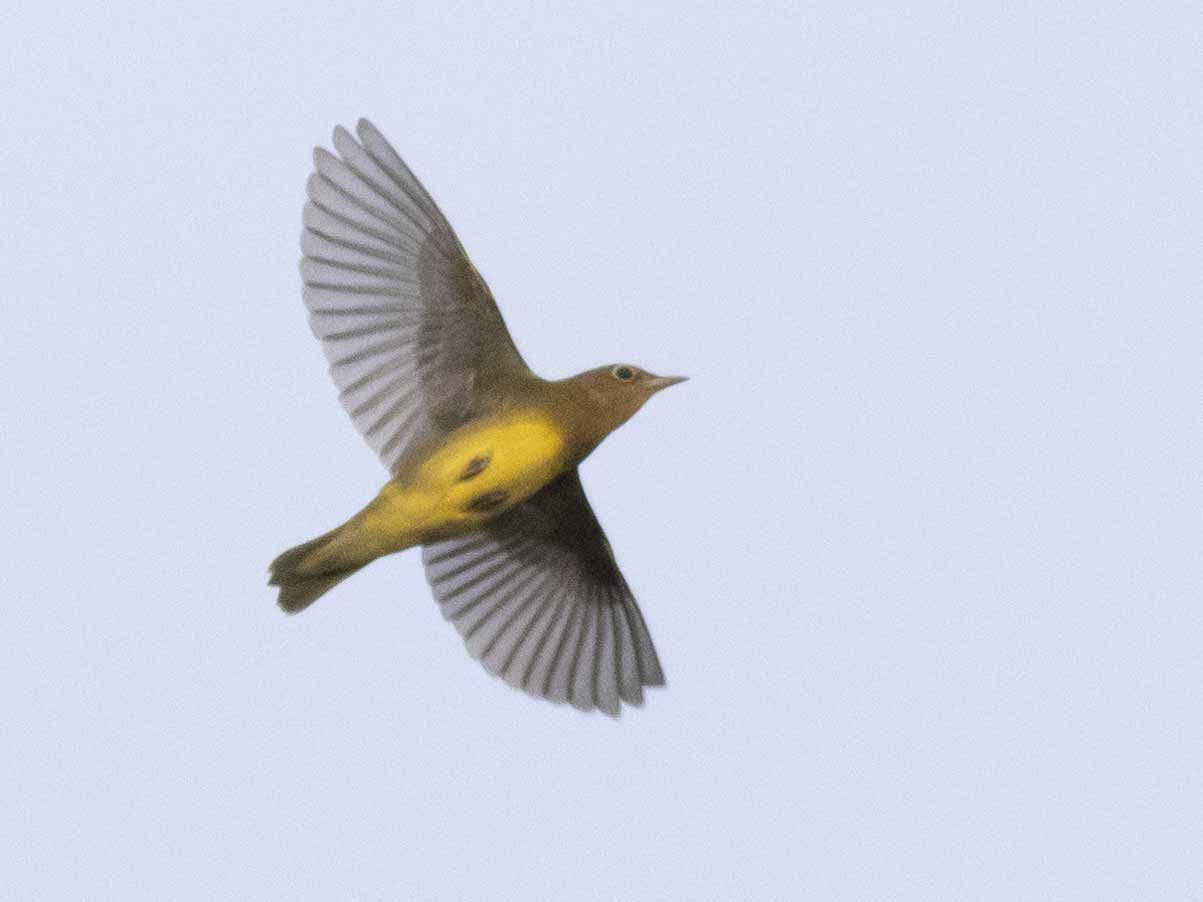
(307, 572)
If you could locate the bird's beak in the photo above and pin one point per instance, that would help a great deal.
(656, 383)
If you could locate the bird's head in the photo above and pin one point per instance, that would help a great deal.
(613, 394)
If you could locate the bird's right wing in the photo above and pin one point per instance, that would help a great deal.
(415, 341)
(539, 599)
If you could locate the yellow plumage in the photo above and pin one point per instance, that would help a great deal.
(477, 472)
(513, 456)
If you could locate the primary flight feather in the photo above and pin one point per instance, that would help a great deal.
(483, 453)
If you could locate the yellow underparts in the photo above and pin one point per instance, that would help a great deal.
(479, 471)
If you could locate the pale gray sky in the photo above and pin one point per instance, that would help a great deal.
(919, 544)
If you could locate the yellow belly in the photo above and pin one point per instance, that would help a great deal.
(479, 471)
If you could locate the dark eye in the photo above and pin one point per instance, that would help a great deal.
(624, 373)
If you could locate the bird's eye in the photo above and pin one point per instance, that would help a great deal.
(623, 373)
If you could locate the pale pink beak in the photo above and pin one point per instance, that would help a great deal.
(656, 383)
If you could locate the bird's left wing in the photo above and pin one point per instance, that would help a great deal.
(415, 341)
(540, 601)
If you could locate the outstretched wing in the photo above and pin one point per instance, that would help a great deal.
(540, 601)
(415, 341)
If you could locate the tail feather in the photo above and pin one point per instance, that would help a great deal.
(296, 596)
(307, 572)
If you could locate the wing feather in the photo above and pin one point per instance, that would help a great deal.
(415, 341)
(541, 603)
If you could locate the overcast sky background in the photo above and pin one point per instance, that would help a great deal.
(919, 544)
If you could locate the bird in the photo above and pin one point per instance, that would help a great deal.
(483, 454)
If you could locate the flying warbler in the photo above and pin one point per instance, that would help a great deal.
(483, 453)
